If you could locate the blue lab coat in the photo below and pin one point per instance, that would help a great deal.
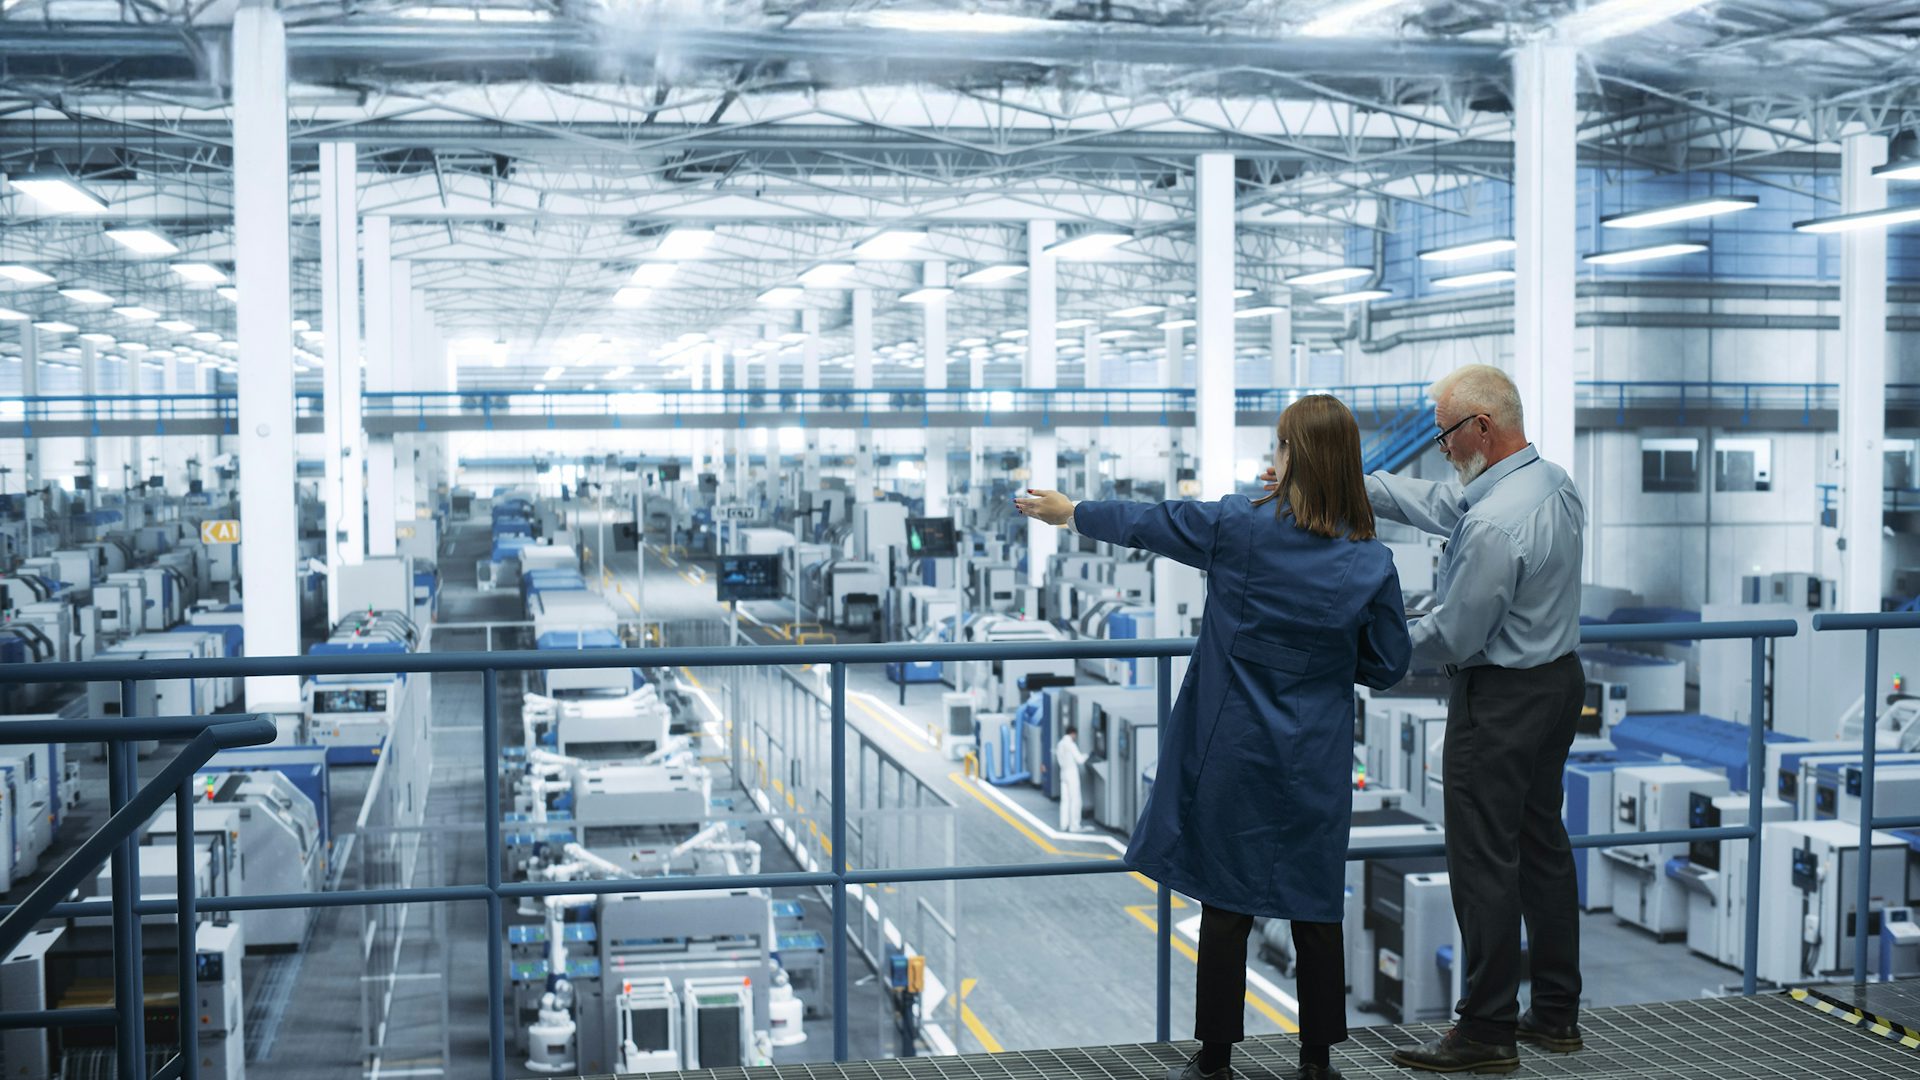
(1254, 794)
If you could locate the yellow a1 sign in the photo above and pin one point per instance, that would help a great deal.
(220, 532)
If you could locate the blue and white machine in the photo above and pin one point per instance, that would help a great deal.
(352, 715)
(1590, 809)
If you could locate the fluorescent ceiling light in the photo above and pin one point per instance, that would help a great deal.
(1327, 277)
(25, 275)
(143, 241)
(229, 294)
(97, 338)
(58, 194)
(1110, 335)
(1641, 254)
(1013, 335)
(86, 296)
(177, 326)
(539, 386)
(1260, 311)
(1088, 244)
(1865, 219)
(1472, 250)
(1342, 19)
(793, 338)
(930, 293)
(305, 335)
(206, 335)
(1072, 324)
(648, 275)
(440, 13)
(1691, 210)
(54, 327)
(1066, 343)
(953, 22)
(826, 275)
(10, 315)
(987, 275)
(301, 324)
(684, 243)
(631, 296)
(970, 343)
(1177, 324)
(1467, 281)
(1904, 169)
(892, 244)
(136, 314)
(782, 296)
(1139, 311)
(132, 346)
(200, 273)
(554, 373)
(1360, 297)
(1617, 18)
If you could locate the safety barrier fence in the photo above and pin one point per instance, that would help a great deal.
(837, 877)
(1376, 403)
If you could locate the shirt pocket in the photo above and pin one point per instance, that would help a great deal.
(1270, 654)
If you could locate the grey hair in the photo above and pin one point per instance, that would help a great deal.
(1482, 388)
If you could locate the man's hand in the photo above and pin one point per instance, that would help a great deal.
(1270, 479)
(1048, 506)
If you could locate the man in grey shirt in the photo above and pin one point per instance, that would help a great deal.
(1504, 627)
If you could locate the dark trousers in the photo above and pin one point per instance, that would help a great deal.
(1508, 731)
(1220, 989)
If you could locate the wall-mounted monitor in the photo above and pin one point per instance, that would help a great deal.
(932, 537)
(749, 577)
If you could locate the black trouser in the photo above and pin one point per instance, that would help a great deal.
(1220, 989)
(1508, 731)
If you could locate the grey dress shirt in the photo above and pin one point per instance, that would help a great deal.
(1507, 590)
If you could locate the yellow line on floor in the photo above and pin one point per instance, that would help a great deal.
(1018, 825)
(1141, 913)
(893, 728)
(967, 1016)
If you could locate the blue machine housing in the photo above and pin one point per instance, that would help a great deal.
(303, 766)
(1588, 774)
(1694, 738)
(553, 580)
(233, 634)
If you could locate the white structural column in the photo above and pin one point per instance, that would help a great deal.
(89, 386)
(417, 365)
(1172, 366)
(810, 383)
(1213, 416)
(431, 369)
(934, 351)
(1281, 374)
(345, 495)
(1043, 456)
(864, 478)
(383, 362)
(1863, 380)
(265, 442)
(697, 373)
(742, 450)
(1093, 377)
(173, 380)
(30, 387)
(717, 382)
(1545, 129)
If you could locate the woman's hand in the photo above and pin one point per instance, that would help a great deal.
(1048, 506)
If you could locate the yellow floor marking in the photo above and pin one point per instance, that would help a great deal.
(1141, 913)
(893, 728)
(1018, 825)
(688, 577)
(967, 1016)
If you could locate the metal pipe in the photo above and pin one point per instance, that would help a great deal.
(496, 918)
(136, 947)
(837, 678)
(1863, 889)
(188, 926)
(1163, 896)
(128, 1005)
(1756, 751)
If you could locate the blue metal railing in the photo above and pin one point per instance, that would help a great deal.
(836, 659)
(157, 409)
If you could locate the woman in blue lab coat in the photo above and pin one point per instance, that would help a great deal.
(1250, 809)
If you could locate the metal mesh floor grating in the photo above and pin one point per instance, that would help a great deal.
(1770, 1037)
(1888, 1009)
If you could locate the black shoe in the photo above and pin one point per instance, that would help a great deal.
(1562, 1039)
(1457, 1053)
(1191, 1071)
(1315, 1072)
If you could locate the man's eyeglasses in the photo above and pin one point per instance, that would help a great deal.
(1440, 440)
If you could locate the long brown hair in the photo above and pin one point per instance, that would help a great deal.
(1325, 490)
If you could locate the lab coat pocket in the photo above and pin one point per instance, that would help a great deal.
(1269, 654)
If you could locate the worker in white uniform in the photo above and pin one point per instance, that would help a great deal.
(1068, 757)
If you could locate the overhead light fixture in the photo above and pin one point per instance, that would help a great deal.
(94, 337)
(1472, 250)
(1073, 324)
(136, 314)
(1259, 312)
(200, 273)
(1692, 210)
(781, 296)
(132, 346)
(206, 335)
(1111, 335)
(987, 275)
(1641, 254)
(24, 275)
(1864, 219)
(1467, 281)
(86, 296)
(554, 372)
(143, 241)
(1088, 244)
(55, 327)
(953, 22)
(1617, 18)
(1178, 324)
(1361, 296)
(1013, 335)
(539, 386)
(631, 296)
(1903, 169)
(649, 275)
(684, 242)
(229, 294)
(10, 315)
(926, 295)
(306, 335)
(58, 194)
(826, 275)
(177, 326)
(301, 324)
(1329, 276)
(970, 343)
(1341, 20)
(442, 13)
(891, 245)
(1138, 311)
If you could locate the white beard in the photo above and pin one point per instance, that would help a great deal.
(1471, 468)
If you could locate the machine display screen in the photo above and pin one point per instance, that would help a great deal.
(350, 701)
(1702, 814)
(719, 1027)
(749, 577)
(669, 473)
(209, 967)
(932, 537)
